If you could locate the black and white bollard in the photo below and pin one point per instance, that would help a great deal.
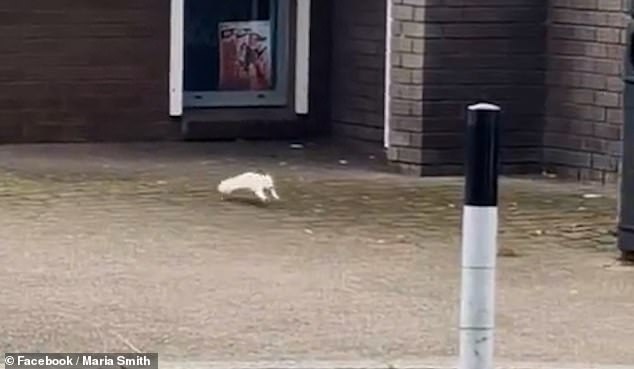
(479, 237)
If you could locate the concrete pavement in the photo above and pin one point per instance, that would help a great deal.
(431, 363)
(126, 247)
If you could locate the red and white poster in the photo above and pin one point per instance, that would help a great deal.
(245, 55)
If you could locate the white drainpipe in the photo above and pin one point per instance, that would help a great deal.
(388, 74)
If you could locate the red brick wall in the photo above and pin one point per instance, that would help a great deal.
(584, 114)
(74, 70)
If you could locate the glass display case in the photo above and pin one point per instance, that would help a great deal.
(236, 53)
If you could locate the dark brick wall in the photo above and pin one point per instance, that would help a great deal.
(358, 69)
(74, 70)
(450, 54)
(584, 117)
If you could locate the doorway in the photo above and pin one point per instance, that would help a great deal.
(236, 53)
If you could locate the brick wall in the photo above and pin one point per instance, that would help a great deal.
(357, 75)
(584, 118)
(447, 55)
(84, 70)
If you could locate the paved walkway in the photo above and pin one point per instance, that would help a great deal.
(123, 247)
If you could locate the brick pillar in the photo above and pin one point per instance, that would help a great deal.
(406, 90)
(447, 56)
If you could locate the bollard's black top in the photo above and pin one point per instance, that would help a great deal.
(482, 150)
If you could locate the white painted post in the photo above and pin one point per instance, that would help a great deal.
(387, 111)
(302, 57)
(479, 238)
(177, 23)
(626, 184)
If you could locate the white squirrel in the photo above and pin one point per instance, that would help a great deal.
(258, 183)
